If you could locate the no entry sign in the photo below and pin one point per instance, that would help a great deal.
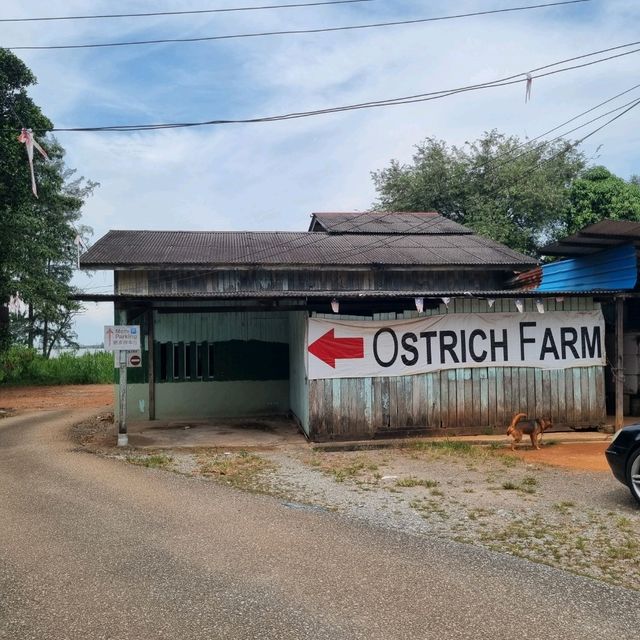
(131, 358)
(358, 349)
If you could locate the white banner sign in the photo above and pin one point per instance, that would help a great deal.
(358, 349)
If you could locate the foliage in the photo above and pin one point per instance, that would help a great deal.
(512, 191)
(37, 249)
(20, 365)
(600, 194)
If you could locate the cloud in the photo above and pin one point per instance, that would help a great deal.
(270, 176)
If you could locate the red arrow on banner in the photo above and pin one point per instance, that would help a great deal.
(328, 348)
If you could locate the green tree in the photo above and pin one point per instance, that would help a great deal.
(599, 194)
(512, 191)
(37, 249)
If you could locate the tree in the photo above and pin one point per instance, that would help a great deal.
(512, 191)
(599, 194)
(37, 249)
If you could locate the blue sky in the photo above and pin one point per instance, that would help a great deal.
(271, 176)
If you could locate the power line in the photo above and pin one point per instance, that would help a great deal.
(422, 225)
(291, 31)
(184, 13)
(538, 72)
(636, 103)
(286, 247)
(509, 157)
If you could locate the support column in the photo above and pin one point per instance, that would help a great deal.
(151, 365)
(619, 368)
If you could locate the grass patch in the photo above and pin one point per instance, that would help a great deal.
(241, 469)
(445, 446)
(509, 486)
(412, 481)
(564, 507)
(344, 466)
(22, 366)
(153, 461)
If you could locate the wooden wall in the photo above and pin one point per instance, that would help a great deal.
(276, 280)
(461, 400)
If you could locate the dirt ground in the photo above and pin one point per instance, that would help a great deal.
(586, 456)
(24, 399)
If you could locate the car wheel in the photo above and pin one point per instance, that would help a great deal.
(633, 474)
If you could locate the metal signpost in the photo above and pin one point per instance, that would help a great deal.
(123, 340)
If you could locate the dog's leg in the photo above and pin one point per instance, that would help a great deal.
(517, 436)
(534, 441)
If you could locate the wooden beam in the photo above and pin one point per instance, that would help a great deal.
(619, 368)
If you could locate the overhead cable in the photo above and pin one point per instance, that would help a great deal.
(538, 72)
(374, 25)
(149, 14)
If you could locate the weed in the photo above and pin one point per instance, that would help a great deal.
(154, 461)
(529, 481)
(627, 550)
(445, 447)
(345, 467)
(239, 470)
(509, 486)
(564, 506)
(412, 481)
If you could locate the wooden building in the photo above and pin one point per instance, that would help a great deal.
(228, 322)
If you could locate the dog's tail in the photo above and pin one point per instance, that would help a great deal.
(514, 422)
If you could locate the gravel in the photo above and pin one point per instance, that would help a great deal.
(583, 522)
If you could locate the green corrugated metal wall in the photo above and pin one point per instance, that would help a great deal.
(298, 383)
(250, 374)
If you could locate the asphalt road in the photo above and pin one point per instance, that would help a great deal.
(93, 548)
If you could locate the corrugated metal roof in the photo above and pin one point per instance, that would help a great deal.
(596, 237)
(376, 222)
(611, 269)
(163, 249)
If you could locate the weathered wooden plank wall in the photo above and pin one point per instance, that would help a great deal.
(280, 280)
(457, 401)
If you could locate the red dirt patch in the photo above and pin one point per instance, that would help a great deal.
(585, 456)
(22, 399)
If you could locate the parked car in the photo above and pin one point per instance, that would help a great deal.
(623, 456)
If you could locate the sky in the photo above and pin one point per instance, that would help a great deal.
(271, 176)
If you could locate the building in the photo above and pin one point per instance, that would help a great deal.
(602, 258)
(366, 325)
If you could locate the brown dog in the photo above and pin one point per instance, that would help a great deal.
(533, 428)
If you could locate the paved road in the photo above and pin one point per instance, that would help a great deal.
(92, 548)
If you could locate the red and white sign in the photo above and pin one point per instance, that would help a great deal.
(365, 348)
(132, 359)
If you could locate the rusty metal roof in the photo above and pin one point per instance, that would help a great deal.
(596, 237)
(165, 249)
(385, 222)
